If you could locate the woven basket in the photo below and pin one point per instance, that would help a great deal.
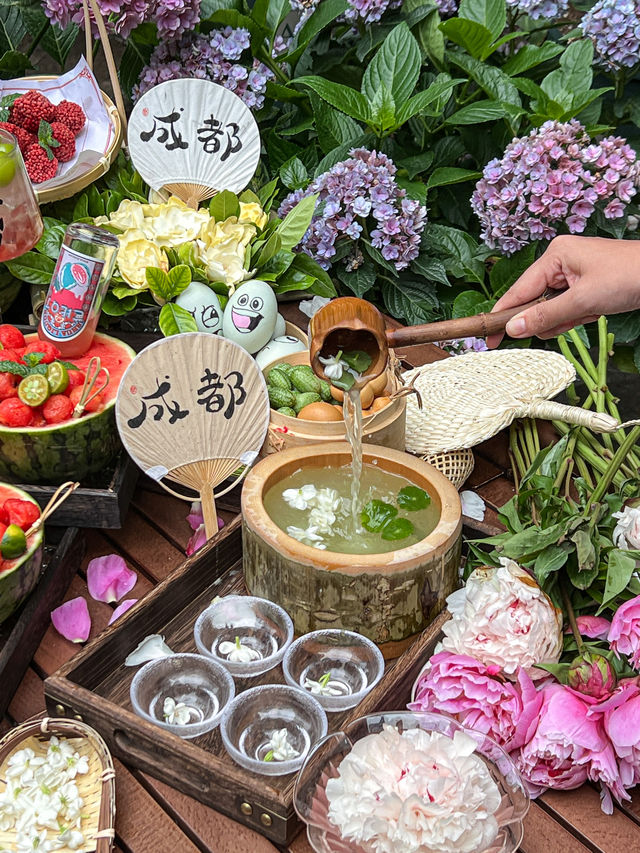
(97, 787)
(456, 466)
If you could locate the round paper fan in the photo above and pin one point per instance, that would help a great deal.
(193, 409)
(194, 139)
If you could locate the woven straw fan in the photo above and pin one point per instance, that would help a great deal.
(97, 787)
(193, 409)
(469, 398)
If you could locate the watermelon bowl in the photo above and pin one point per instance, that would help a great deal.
(18, 577)
(75, 449)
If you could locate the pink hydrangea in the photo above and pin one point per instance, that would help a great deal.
(551, 178)
(624, 634)
(479, 697)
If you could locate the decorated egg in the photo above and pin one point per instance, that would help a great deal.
(277, 348)
(281, 327)
(203, 305)
(250, 316)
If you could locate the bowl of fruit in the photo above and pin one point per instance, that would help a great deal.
(21, 541)
(47, 435)
(305, 409)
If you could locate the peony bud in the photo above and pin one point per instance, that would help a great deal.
(593, 675)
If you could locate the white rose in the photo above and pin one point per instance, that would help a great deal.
(130, 214)
(626, 534)
(501, 616)
(174, 223)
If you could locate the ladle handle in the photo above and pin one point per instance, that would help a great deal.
(477, 326)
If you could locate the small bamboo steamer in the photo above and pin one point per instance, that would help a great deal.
(385, 428)
(97, 787)
(294, 332)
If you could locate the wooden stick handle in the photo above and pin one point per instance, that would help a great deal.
(478, 326)
(209, 511)
(111, 65)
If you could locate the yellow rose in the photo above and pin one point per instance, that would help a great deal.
(222, 248)
(252, 212)
(215, 233)
(129, 215)
(135, 254)
(171, 224)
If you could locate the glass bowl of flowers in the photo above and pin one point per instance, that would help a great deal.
(411, 783)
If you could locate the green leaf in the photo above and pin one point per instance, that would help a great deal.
(293, 174)
(508, 270)
(341, 97)
(420, 101)
(323, 285)
(431, 38)
(276, 266)
(294, 226)
(179, 279)
(383, 109)
(575, 74)
(396, 65)
(472, 36)
(122, 291)
(468, 303)
(482, 111)
(270, 249)
(619, 572)
(560, 671)
(174, 320)
(267, 193)
(417, 164)
(333, 127)
(532, 540)
(134, 59)
(158, 282)
(451, 175)
(550, 559)
(585, 551)
(14, 368)
(376, 514)
(33, 268)
(492, 14)
(51, 240)
(113, 307)
(325, 13)
(531, 55)
(397, 528)
(491, 79)
(430, 268)
(13, 64)
(81, 209)
(413, 498)
(359, 281)
(414, 302)
(12, 28)
(58, 43)
(223, 205)
(357, 360)
(625, 327)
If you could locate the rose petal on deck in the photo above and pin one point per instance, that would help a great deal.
(72, 620)
(122, 608)
(109, 578)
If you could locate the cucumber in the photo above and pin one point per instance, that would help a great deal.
(325, 391)
(304, 380)
(278, 379)
(279, 397)
(305, 399)
(287, 410)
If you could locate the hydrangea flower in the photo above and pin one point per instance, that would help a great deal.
(533, 8)
(354, 190)
(215, 57)
(359, 11)
(172, 17)
(614, 28)
(551, 177)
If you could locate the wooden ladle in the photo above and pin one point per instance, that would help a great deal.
(347, 324)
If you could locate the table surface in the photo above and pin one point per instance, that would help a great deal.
(151, 817)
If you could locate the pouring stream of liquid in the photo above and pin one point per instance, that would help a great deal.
(352, 413)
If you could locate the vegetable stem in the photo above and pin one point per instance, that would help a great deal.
(572, 617)
(612, 469)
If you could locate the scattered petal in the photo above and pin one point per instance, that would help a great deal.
(122, 608)
(72, 620)
(195, 517)
(151, 648)
(109, 578)
(199, 538)
(472, 505)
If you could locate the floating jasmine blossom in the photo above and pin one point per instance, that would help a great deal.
(299, 498)
(279, 747)
(176, 713)
(324, 686)
(150, 648)
(238, 652)
(310, 536)
(334, 367)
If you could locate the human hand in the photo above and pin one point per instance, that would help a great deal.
(596, 276)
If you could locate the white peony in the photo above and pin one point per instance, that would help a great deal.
(502, 617)
(415, 791)
(626, 534)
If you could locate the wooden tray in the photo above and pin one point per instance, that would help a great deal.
(95, 686)
(21, 634)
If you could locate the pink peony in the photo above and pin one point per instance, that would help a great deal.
(592, 675)
(596, 627)
(478, 697)
(624, 634)
(620, 714)
(568, 747)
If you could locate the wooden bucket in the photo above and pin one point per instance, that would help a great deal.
(385, 428)
(389, 598)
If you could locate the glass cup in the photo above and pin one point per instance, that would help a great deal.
(21, 225)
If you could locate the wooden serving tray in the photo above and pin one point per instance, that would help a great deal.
(22, 632)
(95, 686)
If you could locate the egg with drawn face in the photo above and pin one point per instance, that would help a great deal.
(203, 305)
(250, 315)
(277, 348)
(280, 328)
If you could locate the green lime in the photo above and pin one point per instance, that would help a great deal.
(7, 169)
(57, 377)
(13, 543)
(34, 389)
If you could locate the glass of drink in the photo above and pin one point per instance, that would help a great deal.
(20, 221)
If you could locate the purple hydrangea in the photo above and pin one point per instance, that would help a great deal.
(360, 193)
(174, 17)
(121, 16)
(553, 176)
(536, 9)
(363, 11)
(461, 346)
(211, 57)
(447, 8)
(614, 28)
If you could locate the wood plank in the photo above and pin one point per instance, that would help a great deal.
(300, 844)
(140, 542)
(580, 809)
(210, 829)
(166, 513)
(543, 834)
